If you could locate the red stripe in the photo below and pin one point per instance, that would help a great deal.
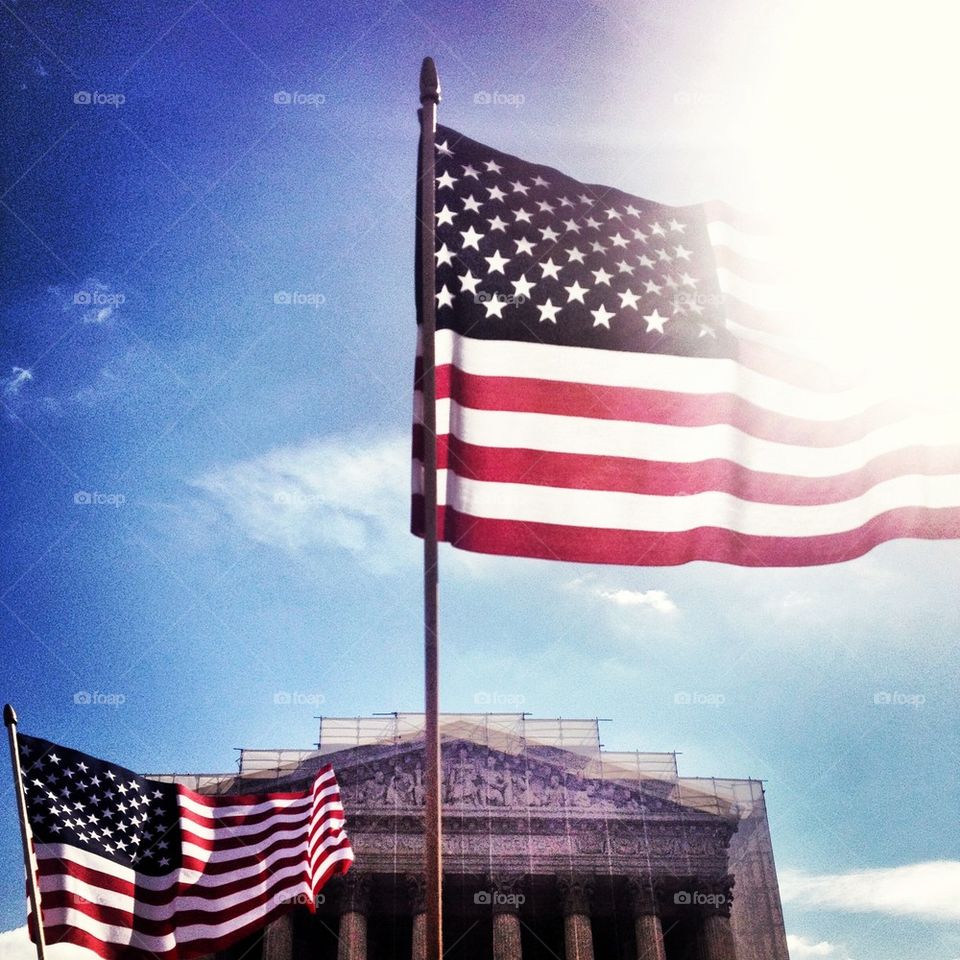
(640, 548)
(637, 405)
(626, 475)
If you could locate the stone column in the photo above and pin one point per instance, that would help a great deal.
(715, 938)
(278, 939)
(354, 904)
(646, 919)
(417, 887)
(506, 899)
(577, 935)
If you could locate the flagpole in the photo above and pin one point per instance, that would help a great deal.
(26, 835)
(433, 828)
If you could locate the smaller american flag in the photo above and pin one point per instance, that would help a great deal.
(130, 867)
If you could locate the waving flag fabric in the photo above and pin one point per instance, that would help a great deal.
(131, 867)
(614, 385)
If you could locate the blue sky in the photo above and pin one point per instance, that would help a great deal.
(205, 491)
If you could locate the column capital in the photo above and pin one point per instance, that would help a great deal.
(644, 895)
(355, 893)
(417, 891)
(576, 891)
(715, 896)
(506, 891)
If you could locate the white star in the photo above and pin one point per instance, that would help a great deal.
(575, 292)
(548, 311)
(521, 214)
(628, 299)
(590, 222)
(519, 187)
(572, 226)
(494, 306)
(497, 262)
(651, 286)
(682, 253)
(655, 321)
(550, 269)
(677, 226)
(522, 287)
(471, 238)
(444, 256)
(470, 171)
(82, 767)
(618, 241)
(469, 282)
(53, 758)
(657, 230)
(597, 247)
(601, 276)
(612, 213)
(444, 297)
(493, 167)
(538, 181)
(707, 331)
(445, 180)
(497, 224)
(640, 235)
(671, 283)
(645, 261)
(565, 201)
(625, 267)
(496, 193)
(471, 203)
(575, 254)
(585, 199)
(524, 246)
(664, 256)
(687, 280)
(444, 215)
(545, 207)
(548, 234)
(632, 210)
(601, 317)
(444, 149)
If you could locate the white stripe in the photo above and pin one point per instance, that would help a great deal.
(216, 813)
(282, 883)
(336, 857)
(619, 368)
(763, 296)
(224, 856)
(631, 511)
(671, 444)
(297, 817)
(755, 246)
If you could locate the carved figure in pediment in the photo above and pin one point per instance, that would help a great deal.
(554, 794)
(497, 787)
(625, 799)
(462, 785)
(607, 797)
(375, 789)
(400, 787)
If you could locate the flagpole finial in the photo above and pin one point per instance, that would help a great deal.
(429, 82)
(9, 715)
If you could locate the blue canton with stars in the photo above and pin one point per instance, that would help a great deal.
(100, 807)
(524, 252)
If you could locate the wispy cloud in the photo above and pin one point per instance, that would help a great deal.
(340, 493)
(657, 600)
(15, 945)
(13, 384)
(803, 949)
(929, 891)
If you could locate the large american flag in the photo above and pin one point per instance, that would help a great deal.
(131, 867)
(615, 385)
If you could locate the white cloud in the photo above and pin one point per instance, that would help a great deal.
(14, 383)
(801, 949)
(655, 599)
(345, 494)
(16, 945)
(929, 891)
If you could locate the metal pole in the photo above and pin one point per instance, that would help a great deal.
(433, 851)
(26, 835)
